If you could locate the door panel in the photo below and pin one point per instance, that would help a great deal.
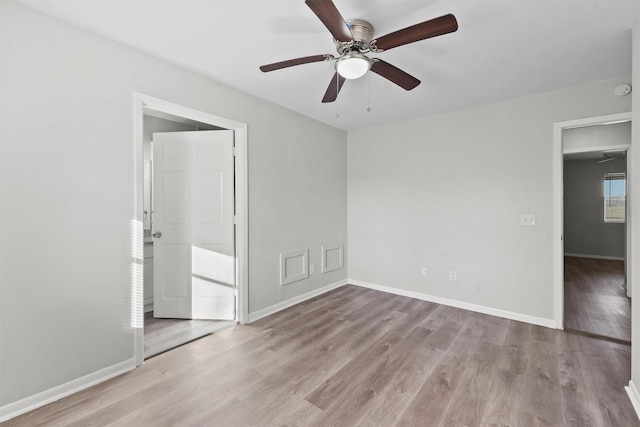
(176, 266)
(194, 262)
(175, 189)
(211, 210)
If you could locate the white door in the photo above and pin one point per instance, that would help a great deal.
(194, 235)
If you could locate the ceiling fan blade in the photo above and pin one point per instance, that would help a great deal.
(427, 29)
(297, 61)
(611, 157)
(331, 18)
(607, 159)
(334, 88)
(394, 74)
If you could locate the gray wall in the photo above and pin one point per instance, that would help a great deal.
(298, 199)
(585, 232)
(447, 192)
(68, 202)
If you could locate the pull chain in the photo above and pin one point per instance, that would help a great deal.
(369, 93)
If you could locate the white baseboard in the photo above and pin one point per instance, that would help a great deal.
(257, 315)
(548, 323)
(634, 396)
(56, 393)
(611, 258)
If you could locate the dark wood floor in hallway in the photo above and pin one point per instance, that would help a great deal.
(354, 357)
(595, 300)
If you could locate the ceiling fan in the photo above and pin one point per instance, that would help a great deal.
(354, 39)
(607, 156)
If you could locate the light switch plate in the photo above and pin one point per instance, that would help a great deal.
(528, 219)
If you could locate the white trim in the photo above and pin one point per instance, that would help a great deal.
(581, 150)
(138, 145)
(634, 397)
(257, 315)
(608, 119)
(631, 195)
(611, 258)
(242, 222)
(142, 102)
(56, 393)
(324, 250)
(549, 323)
(285, 277)
(558, 226)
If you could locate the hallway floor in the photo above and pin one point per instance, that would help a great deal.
(595, 300)
(161, 335)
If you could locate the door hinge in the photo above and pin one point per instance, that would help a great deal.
(235, 151)
(235, 292)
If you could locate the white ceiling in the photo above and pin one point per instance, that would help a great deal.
(503, 48)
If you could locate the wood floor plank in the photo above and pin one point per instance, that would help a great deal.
(445, 324)
(574, 391)
(469, 400)
(161, 335)
(363, 365)
(609, 378)
(494, 329)
(542, 386)
(389, 405)
(226, 411)
(515, 354)
(595, 299)
(355, 356)
(379, 382)
(501, 397)
(431, 401)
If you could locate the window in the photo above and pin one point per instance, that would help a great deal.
(614, 197)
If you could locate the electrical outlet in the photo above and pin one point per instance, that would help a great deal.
(424, 271)
(528, 219)
(312, 269)
(453, 276)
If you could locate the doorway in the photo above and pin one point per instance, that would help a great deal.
(154, 115)
(586, 149)
(596, 301)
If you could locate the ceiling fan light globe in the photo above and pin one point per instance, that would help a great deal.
(353, 66)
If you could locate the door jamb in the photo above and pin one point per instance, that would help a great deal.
(144, 102)
(558, 214)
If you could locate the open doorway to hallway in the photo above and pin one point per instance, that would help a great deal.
(167, 322)
(596, 302)
(192, 206)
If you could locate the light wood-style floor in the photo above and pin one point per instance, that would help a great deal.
(355, 356)
(161, 335)
(595, 300)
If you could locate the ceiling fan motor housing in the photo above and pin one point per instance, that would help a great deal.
(362, 33)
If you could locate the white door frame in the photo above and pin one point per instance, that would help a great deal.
(558, 211)
(144, 103)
